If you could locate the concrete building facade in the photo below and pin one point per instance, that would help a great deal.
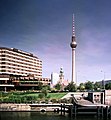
(19, 69)
(18, 62)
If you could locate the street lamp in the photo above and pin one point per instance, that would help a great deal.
(103, 81)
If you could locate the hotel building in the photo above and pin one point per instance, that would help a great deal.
(17, 68)
(18, 62)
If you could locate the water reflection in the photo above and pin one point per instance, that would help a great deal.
(40, 116)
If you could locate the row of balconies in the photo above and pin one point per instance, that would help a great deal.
(18, 62)
(19, 55)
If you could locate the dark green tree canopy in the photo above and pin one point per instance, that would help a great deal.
(71, 87)
(89, 85)
(108, 86)
(97, 86)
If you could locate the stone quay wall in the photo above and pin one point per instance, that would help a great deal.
(14, 107)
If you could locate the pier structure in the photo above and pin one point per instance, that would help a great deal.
(74, 110)
(77, 109)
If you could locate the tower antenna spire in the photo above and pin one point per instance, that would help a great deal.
(73, 26)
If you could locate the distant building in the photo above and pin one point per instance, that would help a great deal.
(54, 78)
(62, 81)
(59, 79)
(104, 82)
(19, 69)
(61, 75)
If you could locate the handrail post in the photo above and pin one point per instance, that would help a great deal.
(75, 110)
(61, 109)
(102, 111)
(98, 111)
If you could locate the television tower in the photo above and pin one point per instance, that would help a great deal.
(73, 45)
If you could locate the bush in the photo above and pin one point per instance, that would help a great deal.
(41, 95)
(64, 100)
(54, 100)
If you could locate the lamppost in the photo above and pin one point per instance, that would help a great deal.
(103, 81)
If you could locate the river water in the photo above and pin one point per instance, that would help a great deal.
(40, 116)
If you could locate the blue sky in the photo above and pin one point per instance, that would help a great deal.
(44, 28)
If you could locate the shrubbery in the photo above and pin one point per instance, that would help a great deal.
(24, 97)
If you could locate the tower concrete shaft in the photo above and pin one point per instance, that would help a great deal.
(73, 67)
(73, 45)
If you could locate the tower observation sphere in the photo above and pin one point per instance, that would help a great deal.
(73, 44)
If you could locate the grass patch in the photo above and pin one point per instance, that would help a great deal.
(56, 95)
(52, 95)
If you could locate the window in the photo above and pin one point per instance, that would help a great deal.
(3, 55)
(3, 63)
(3, 70)
(3, 59)
(3, 66)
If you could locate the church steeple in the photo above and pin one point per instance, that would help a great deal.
(61, 75)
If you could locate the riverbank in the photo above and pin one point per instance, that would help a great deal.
(15, 107)
(29, 107)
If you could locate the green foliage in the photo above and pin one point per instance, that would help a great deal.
(41, 95)
(47, 87)
(44, 91)
(24, 97)
(71, 87)
(58, 86)
(40, 85)
(4, 94)
(89, 85)
(97, 86)
(18, 98)
(64, 100)
(81, 87)
(46, 100)
(108, 86)
(48, 96)
(54, 100)
(56, 95)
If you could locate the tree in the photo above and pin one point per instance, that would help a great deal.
(89, 85)
(40, 85)
(45, 91)
(41, 95)
(47, 87)
(97, 86)
(71, 87)
(81, 87)
(58, 86)
(108, 86)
